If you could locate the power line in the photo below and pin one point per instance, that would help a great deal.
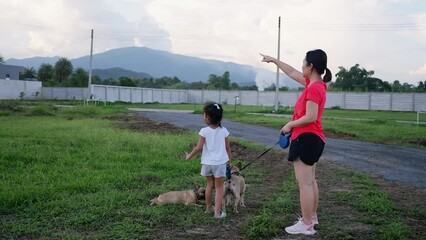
(371, 27)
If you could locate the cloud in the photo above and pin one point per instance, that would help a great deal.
(37, 43)
(264, 79)
(63, 27)
(419, 71)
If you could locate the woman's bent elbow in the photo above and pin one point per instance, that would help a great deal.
(311, 120)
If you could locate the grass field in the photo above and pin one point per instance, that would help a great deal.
(62, 178)
(72, 173)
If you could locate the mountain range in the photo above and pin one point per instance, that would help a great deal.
(142, 61)
(116, 72)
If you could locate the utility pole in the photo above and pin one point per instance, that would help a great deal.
(90, 67)
(278, 69)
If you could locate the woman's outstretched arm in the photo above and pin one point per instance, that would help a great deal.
(287, 69)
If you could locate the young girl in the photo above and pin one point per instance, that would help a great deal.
(216, 153)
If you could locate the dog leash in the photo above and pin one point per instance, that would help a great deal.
(248, 164)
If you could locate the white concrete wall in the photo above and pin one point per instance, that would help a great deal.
(60, 93)
(12, 89)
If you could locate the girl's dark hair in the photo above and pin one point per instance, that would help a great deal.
(215, 112)
(318, 59)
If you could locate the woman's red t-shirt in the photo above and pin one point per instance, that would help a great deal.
(316, 92)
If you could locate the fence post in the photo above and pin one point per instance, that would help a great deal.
(257, 98)
(418, 113)
(202, 96)
(390, 102)
(369, 101)
(344, 100)
(414, 102)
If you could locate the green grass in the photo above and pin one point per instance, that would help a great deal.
(372, 205)
(274, 213)
(83, 174)
(372, 115)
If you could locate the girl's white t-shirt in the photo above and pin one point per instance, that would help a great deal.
(214, 148)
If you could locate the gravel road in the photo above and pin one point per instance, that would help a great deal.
(397, 164)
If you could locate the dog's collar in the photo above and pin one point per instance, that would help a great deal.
(234, 173)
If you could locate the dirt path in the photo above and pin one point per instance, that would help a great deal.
(275, 170)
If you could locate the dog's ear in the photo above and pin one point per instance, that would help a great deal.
(196, 187)
(238, 165)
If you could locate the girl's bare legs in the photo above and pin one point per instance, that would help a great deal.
(209, 191)
(218, 184)
(316, 192)
(305, 181)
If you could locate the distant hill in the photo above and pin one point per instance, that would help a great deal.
(160, 63)
(34, 62)
(116, 73)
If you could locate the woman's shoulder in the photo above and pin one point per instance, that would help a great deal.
(318, 86)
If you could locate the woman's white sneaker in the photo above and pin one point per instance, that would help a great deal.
(314, 220)
(301, 228)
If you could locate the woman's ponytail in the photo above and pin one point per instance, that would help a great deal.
(318, 58)
(327, 76)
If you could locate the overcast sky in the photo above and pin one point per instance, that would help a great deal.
(387, 36)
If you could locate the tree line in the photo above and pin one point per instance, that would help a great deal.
(361, 80)
(214, 82)
(62, 74)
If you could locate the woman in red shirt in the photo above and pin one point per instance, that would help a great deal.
(307, 139)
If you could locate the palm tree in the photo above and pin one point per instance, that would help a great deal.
(79, 78)
(29, 72)
(45, 72)
(63, 69)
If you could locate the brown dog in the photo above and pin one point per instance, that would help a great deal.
(236, 186)
(187, 197)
